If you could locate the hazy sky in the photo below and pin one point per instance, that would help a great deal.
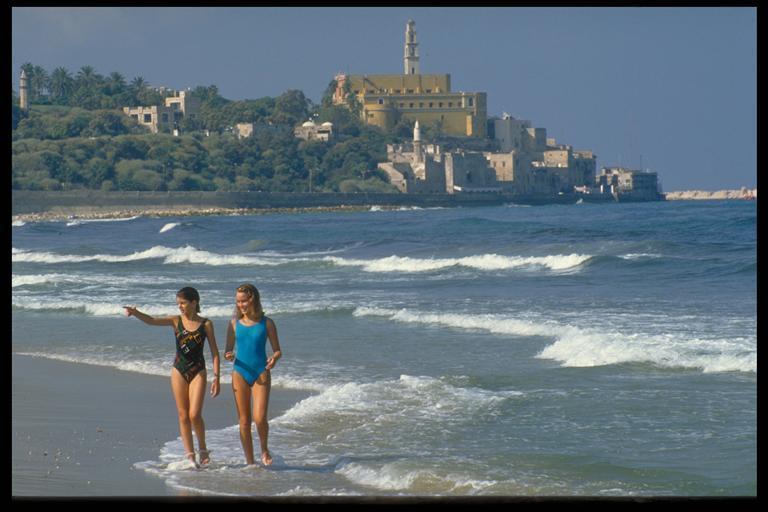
(671, 89)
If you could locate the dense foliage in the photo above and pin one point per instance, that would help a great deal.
(75, 136)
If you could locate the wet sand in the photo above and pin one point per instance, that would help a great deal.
(77, 430)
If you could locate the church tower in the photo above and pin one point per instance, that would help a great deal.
(411, 58)
(23, 96)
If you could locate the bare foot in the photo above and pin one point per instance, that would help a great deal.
(205, 457)
(266, 458)
(191, 457)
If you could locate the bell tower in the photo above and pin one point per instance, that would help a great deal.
(411, 57)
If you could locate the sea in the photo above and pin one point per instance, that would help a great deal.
(551, 350)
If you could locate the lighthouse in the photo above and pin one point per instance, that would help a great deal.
(23, 96)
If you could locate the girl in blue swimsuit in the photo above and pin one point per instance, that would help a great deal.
(188, 375)
(251, 378)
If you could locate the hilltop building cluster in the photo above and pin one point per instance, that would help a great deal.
(527, 161)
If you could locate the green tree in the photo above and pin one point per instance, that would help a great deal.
(61, 85)
(291, 108)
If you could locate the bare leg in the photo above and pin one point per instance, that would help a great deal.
(243, 402)
(180, 390)
(261, 389)
(196, 396)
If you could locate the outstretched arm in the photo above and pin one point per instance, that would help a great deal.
(275, 342)
(132, 311)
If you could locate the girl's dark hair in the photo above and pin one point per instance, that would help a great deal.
(253, 293)
(189, 293)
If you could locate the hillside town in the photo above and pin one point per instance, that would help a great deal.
(497, 154)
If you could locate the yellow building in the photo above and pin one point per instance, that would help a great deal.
(388, 99)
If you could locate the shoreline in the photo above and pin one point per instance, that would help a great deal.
(71, 437)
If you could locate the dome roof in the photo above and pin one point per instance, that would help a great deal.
(308, 124)
(327, 123)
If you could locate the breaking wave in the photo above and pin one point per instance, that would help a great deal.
(589, 347)
(480, 262)
(394, 263)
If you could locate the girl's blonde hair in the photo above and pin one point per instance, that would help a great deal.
(252, 293)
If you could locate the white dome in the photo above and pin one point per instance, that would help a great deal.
(327, 123)
(308, 124)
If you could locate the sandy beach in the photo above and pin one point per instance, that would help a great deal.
(77, 430)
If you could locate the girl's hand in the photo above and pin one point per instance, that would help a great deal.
(215, 387)
(130, 310)
(270, 363)
(229, 356)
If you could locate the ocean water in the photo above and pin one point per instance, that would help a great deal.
(559, 350)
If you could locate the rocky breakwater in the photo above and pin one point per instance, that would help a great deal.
(742, 193)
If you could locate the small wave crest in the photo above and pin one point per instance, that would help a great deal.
(169, 227)
(484, 262)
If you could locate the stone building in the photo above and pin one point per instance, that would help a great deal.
(532, 163)
(311, 131)
(425, 168)
(166, 117)
(629, 183)
(412, 96)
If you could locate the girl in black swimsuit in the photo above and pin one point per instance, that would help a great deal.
(188, 376)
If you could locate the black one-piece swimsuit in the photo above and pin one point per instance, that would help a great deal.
(189, 350)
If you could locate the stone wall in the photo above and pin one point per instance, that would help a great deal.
(94, 201)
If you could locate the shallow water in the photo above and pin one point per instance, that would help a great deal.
(603, 350)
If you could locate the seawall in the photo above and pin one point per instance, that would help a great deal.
(96, 202)
(743, 193)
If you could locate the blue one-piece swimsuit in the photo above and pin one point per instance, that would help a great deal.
(251, 360)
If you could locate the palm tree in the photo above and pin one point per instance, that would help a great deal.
(115, 83)
(38, 84)
(87, 77)
(136, 88)
(61, 84)
(138, 84)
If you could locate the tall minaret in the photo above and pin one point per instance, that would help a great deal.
(23, 97)
(411, 58)
(417, 156)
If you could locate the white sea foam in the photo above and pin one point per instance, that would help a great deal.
(77, 222)
(186, 254)
(394, 263)
(96, 307)
(19, 280)
(35, 279)
(20, 255)
(146, 367)
(416, 397)
(169, 226)
(18, 223)
(598, 346)
(401, 476)
(481, 262)
(638, 256)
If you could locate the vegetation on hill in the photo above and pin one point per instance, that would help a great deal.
(75, 136)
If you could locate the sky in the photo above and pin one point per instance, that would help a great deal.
(667, 89)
